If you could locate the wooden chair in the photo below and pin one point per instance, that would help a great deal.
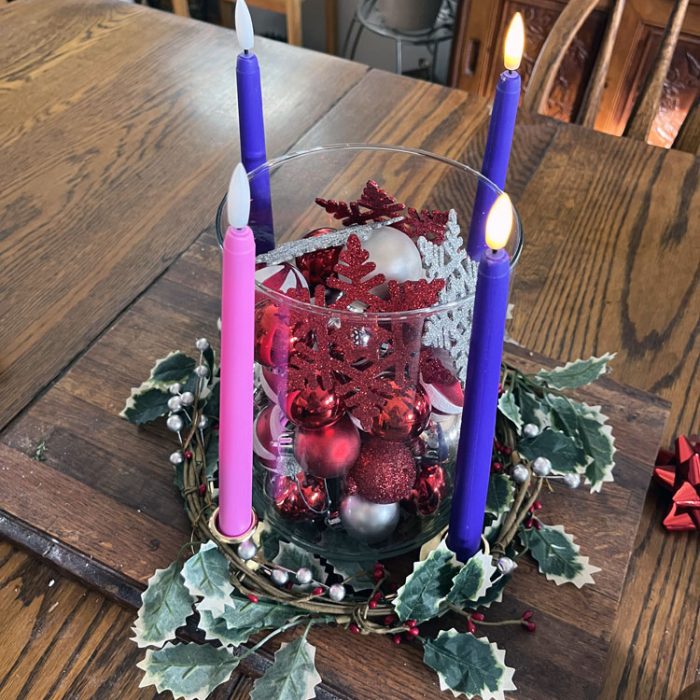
(292, 10)
(646, 106)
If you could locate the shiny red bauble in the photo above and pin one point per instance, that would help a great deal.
(298, 498)
(313, 406)
(384, 472)
(330, 451)
(440, 381)
(269, 425)
(429, 490)
(273, 336)
(318, 265)
(403, 415)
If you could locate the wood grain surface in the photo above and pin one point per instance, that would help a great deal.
(108, 144)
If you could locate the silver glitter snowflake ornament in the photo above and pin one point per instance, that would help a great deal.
(451, 330)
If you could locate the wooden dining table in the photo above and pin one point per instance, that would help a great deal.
(118, 132)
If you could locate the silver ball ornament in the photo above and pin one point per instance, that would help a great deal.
(202, 371)
(202, 344)
(174, 423)
(520, 474)
(541, 466)
(530, 430)
(174, 403)
(441, 437)
(176, 458)
(187, 398)
(336, 592)
(174, 388)
(203, 422)
(279, 577)
(304, 575)
(247, 550)
(506, 565)
(573, 481)
(367, 521)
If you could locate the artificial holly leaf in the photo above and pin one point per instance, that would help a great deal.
(292, 557)
(425, 589)
(492, 526)
(558, 555)
(292, 676)
(174, 367)
(211, 407)
(494, 594)
(469, 666)
(575, 374)
(599, 444)
(358, 573)
(245, 617)
(563, 413)
(145, 404)
(531, 409)
(509, 408)
(499, 496)
(189, 671)
(208, 356)
(206, 574)
(472, 581)
(561, 450)
(211, 455)
(165, 605)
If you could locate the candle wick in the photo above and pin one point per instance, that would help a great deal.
(246, 52)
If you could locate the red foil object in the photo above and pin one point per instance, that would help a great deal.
(312, 406)
(429, 490)
(679, 473)
(403, 415)
(299, 498)
(330, 451)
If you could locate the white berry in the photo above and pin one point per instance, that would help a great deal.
(520, 474)
(572, 480)
(541, 466)
(304, 575)
(531, 430)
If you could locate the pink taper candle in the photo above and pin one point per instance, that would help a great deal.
(236, 373)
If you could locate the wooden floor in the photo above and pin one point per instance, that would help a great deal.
(62, 641)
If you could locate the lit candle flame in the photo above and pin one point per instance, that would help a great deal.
(244, 26)
(499, 222)
(238, 198)
(515, 43)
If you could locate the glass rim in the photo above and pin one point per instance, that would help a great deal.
(273, 163)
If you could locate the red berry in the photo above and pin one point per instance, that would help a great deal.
(188, 454)
(354, 629)
(377, 596)
(471, 627)
(500, 388)
(478, 616)
(496, 467)
(317, 591)
(537, 524)
(414, 631)
(411, 623)
(253, 598)
(537, 505)
(529, 625)
(527, 615)
(507, 451)
(372, 604)
(202, 489)
(396, 639)
(289, 585)
(389, 620)
(528, 523)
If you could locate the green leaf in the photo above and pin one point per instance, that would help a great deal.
(561, 450)
(509, 408)
(494, 594)
(188, 671)
(558, 555)
(472, 581)
(211, 408)
(599, 444)
(359, 573)
(292, 676)
(563, 413)
(292, 557)
(145, 404)
(469, 666)
(575, 374)
(208, 355)
(174, 367)
(499, 496)
(212, 455)
(206, 574)
(244, 618)
(425, 589)
(165, 605)
(531, 408)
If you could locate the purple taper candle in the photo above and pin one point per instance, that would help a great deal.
(251, 124)
(500, 136)
(473, 465)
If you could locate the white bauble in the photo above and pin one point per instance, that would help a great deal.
(367, 521)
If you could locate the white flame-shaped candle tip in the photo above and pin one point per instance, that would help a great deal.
(515, 43)
(238, 198)
(499, 222)
(244, 26)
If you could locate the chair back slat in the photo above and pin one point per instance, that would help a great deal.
(688, 140)
(646, 106)
(594, 92)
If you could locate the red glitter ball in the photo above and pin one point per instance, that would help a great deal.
(318, 265)
(384, 471)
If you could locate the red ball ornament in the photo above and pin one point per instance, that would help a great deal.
(403, 415)
(318, 265)
(384, 472)
(330, 451)
(273, 337)
(440, 381)
(298, 498)
(269, 425)
(271, 382)
(283, 278)
(429, 490)
(313, 406)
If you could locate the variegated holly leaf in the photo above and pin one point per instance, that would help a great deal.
(292, 557)
(560, 449)
(509, 408)
(206, 574)
(493, 527)
(563, 413)
(174, 367)
(558, 555)
(499, 497)
(531, 408)
(189, 671)
(292, 676)
(469, 666)
(165, 605)
(425, 589)
(145, 404)
(493, 594)
(359, 573)
(472, 581)
(246, 618)
(212, 455)
(575, 374)
(599, 444)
